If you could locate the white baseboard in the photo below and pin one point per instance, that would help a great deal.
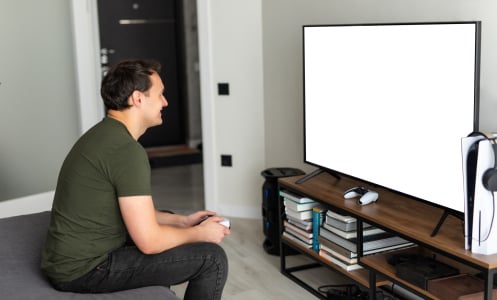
(27, 205)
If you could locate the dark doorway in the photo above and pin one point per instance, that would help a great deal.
(149, 29)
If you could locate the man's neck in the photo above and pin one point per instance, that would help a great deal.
(127, 120)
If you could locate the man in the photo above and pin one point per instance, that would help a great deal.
(105, 234)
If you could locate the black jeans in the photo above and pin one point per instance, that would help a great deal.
(203, 265)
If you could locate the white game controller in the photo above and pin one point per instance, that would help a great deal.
(367, 196)
(355, 192)
(226, 223)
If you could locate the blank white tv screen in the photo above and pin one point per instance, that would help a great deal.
(389, 104)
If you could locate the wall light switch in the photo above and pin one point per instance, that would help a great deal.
(223, 88)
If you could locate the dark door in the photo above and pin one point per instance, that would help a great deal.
(147, 29)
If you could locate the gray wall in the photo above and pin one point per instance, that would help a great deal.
(39, 117)
(282, 52)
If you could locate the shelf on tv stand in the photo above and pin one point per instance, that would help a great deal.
(407, 217)
(360, 276)
(380, 265)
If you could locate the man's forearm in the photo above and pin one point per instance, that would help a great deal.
(167, 218)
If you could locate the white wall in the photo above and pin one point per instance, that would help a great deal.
(85, 36)
(230, 42)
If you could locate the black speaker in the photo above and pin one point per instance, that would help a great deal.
(270, 214)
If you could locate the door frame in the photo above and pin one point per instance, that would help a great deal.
(87, 60)
(88, 75)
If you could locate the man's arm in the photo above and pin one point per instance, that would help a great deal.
(150, 237)
(167, 218)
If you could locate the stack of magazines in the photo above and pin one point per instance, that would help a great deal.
(338, 240)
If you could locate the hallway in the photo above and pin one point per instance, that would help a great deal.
(178, 188)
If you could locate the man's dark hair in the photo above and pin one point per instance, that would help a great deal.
(124, 78)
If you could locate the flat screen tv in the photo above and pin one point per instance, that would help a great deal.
(389, 104)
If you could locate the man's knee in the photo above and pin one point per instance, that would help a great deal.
(218, 257)
(218, 254)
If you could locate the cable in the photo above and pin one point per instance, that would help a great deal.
(352, 291)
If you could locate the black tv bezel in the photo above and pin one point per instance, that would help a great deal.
(476, 105)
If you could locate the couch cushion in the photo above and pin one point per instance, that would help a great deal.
(21, 241)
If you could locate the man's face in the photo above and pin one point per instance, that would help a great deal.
(154, 101)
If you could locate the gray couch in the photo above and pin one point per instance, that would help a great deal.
(21, 240)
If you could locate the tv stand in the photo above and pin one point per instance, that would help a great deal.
(442, 220)
(399, 214)
(315, 173)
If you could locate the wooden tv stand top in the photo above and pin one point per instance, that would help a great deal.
(405, 216)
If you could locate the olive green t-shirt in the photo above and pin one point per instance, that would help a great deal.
(86, 223)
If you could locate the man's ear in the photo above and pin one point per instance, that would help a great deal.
(135, 99)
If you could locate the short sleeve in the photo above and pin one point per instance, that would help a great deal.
(131, 174)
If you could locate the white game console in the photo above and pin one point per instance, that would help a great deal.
(479, 159)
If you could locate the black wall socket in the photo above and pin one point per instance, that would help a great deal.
(226, 160)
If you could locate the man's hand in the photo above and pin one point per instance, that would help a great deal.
(214, 232)
(197, 217)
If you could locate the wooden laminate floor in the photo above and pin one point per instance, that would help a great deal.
(253, 274)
